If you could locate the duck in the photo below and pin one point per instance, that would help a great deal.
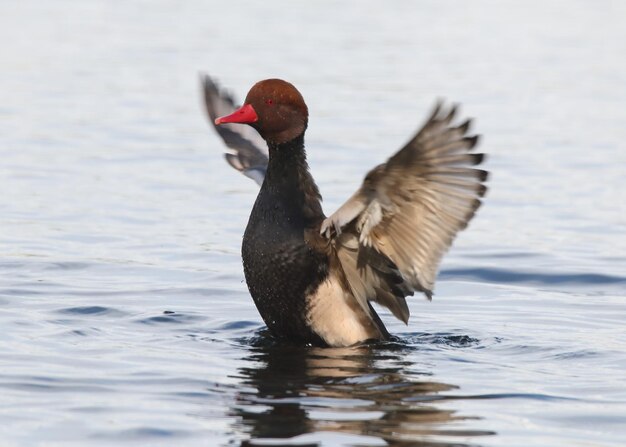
(312, 277)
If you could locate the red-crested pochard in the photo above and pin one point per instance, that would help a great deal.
(313, 277)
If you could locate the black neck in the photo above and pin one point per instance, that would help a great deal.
(288, 176)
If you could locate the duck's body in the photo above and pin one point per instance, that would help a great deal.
(287, 263)
(312, 278)
(279, 265)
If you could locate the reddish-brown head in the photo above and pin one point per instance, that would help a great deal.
(275, 108)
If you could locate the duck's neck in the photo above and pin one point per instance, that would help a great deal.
(288, 177)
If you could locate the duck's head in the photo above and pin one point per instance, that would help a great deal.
(275, 108)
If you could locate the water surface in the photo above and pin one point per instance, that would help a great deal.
(125, 319)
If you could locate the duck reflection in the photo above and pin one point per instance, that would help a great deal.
(369, 391)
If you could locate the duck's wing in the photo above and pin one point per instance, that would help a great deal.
(391, 234)
(248, 151)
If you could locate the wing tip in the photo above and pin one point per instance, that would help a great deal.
(442, 113)
(482, 190)
(405, 319)
(206, 80)
(476, 159)
(482, 175)
(213, 95)
(235, 161)
(209, 85)
(465, 126)
(472, 141)
(438, 106)
(454, 109)
(475, 205)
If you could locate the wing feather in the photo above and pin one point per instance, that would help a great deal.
(372, 276)
(408, 212)
(248, 150)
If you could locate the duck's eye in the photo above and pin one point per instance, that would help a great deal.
(269, 102)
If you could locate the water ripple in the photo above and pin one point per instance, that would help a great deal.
(143, 434)
(169, 317)
(91, 311)
(515, 276)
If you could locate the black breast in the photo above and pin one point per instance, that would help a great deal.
(280, 268)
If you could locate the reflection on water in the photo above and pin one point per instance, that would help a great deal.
(367, 391)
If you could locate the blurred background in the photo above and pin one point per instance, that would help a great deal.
(124, 312)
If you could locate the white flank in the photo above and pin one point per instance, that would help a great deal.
(332, 318)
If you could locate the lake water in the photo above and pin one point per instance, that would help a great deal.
(124, 316)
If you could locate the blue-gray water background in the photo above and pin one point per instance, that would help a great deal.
(124, 318)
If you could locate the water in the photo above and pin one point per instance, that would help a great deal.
(125, 319)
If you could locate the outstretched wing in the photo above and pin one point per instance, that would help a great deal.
(408, 211)
(248, 150)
